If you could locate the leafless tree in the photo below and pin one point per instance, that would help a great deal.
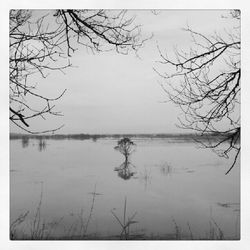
(126, 147)
(205, 83)
(45, 43)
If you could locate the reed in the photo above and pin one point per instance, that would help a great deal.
(125, 222)
(13, 226)
(79, 229)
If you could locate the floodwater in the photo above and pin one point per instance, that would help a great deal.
(172, 187)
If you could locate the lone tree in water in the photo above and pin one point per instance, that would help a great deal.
(205, 83)
(126, 147)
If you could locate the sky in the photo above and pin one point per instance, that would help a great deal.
(113, 93)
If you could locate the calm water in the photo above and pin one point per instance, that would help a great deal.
(171, 182)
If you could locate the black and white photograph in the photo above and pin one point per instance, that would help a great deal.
(124, 124)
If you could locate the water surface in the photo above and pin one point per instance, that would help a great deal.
(172, 184)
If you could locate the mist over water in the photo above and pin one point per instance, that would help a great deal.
(166, 182)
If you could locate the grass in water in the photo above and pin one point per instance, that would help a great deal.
(79, 230)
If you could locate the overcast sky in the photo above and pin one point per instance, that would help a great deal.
(113, 93)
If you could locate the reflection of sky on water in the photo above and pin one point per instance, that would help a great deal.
(183, 183)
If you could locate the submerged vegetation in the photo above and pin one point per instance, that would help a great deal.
(126, 147)
(39, 229)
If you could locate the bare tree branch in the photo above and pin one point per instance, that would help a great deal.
(205, 83)
(40, 45)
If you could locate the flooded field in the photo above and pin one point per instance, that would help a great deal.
(68, 189)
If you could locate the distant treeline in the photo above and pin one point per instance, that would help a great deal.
(176, 137)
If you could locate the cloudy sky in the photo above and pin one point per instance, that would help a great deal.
(114, 93)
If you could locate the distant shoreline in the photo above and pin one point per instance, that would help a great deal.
(185, 137)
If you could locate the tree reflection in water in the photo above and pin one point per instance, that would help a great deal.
(42, 145)
(125, 171)
(166, 169)
(25, 141)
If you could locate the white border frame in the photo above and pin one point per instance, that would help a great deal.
(4, 125)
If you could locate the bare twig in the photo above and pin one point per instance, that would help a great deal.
(205, 83)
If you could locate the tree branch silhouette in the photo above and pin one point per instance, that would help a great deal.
(41, 45)
(205, 83)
